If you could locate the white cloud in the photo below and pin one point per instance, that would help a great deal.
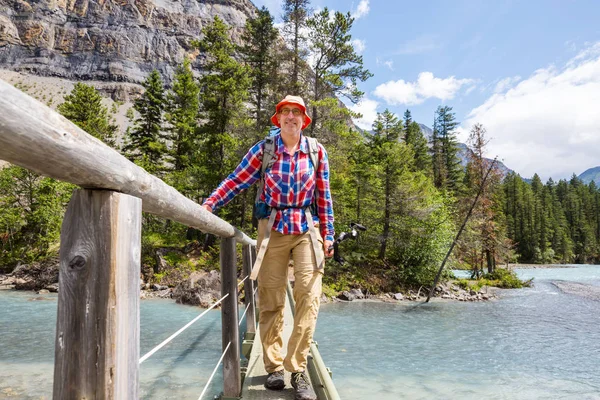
(361, 10)
(368, 109)
(506, 83)
(359, 45)
(387, 63)
(549, 123)
(426, 86)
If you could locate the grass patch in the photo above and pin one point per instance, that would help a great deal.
(501, 278)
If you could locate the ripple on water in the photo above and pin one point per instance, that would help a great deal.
(530, 344)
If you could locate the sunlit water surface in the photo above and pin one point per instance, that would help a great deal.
(535, 343)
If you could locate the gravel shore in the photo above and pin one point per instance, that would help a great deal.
(528, 266)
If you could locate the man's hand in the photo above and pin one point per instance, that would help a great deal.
(207, 208)
(328, 248)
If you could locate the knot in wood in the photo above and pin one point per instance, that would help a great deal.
(78, 262)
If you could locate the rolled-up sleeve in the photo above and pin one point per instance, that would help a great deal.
(244, 176)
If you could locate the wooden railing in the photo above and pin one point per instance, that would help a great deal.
(98, 324)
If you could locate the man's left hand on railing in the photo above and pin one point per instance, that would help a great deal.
(207, 208)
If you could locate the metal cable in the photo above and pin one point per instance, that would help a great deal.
(244, 314)
(214, 371)
(243, 280)
(167, 340)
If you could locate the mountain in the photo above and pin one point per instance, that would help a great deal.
(589, 175)
(463, 151)
(117, 41)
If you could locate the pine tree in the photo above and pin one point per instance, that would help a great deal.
(182, 114)
(487, 236)
(446, 153)
(260, 54)
(143, 142)
(437, 158)
(224, 88)
(415, 139)
(83, 106)
(387, 130)
(295, 13)
(337, 67)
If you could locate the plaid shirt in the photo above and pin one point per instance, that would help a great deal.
(289, 187)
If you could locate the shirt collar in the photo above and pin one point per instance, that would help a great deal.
(279, 148)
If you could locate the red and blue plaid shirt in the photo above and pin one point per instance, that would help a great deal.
(289, 187)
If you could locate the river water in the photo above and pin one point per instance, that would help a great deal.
(533, 343)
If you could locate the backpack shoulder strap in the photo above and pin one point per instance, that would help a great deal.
(269, 156)
(268, 159)
(313, 150)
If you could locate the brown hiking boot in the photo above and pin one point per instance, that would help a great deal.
(302, 389)
(275, 380)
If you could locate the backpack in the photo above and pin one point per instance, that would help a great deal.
(269, 158)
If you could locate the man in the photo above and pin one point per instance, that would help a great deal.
(287, 230)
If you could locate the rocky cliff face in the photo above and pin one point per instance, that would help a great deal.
(108, 40)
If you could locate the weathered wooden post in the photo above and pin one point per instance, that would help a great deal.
(232, 379)
(98, 323)
(249, 291)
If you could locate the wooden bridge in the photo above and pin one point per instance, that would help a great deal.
(97, 347)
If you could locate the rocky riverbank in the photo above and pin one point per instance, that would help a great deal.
(446, 291)
(202, 288)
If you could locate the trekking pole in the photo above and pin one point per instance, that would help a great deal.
(439, 273)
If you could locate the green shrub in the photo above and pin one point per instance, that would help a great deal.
(506, 279)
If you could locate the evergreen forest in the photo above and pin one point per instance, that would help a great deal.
(412, 192)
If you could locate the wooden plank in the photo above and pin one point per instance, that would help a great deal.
(36, 137)
(98, 323)
(249, 289)
(232, 379)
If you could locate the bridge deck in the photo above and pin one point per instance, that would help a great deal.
(255, 378)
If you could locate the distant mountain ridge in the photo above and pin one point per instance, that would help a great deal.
(591, 174)
(464, 151)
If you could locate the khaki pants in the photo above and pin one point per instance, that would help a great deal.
(272, 282)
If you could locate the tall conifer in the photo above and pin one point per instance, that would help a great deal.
(295, 13)
(83, 106)
(182, 116)
(337, 66)
(224, 88)
(260, 52)
(143, 143)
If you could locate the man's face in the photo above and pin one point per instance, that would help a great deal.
(291, 118)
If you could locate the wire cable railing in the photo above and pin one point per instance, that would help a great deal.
(214, 372)
(97, 329)
(173, 336)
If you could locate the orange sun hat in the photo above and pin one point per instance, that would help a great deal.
(296, 100)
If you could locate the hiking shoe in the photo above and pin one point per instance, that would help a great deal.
(302, 389)
(275, 380)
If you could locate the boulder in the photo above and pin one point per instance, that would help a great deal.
(346, 296)
(53, 288)
(357, 293)
(36, 276)
(200, 289)
(398, 296)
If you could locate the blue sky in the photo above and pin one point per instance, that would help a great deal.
(528, 70)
